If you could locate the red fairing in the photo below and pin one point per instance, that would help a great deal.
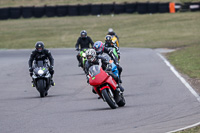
(102, 78)
(112, 82)
(99, 78)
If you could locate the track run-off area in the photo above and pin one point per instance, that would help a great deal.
(157, 101)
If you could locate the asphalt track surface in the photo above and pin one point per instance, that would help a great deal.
(156, 100)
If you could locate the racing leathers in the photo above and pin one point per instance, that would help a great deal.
(81, 44)
(41, 56)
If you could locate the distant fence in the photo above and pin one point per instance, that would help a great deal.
(95, 9)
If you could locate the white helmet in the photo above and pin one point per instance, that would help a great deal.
(90, 54)
(110, 30)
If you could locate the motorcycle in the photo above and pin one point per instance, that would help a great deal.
(106, 87)
(83, 58)
(41, 77)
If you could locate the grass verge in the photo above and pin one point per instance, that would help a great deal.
(187, 60)
(152, 31)
(191, 130)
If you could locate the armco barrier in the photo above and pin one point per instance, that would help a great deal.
(163, 7)
(96, 9)
(4, 13)
(27, 12)
(61, 11)
(85, 9)
(50, 11)
(107, 8)
(15, 12)
(130, 7)
(153, 7)
(142, 8)
(73, 10)
(119, 8)
(38, 12)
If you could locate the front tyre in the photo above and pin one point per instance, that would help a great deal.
(41, 85)
(109, 99)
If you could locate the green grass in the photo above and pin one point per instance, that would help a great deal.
(187, 60)
(191, 130)
(13, 3)
(152, 31)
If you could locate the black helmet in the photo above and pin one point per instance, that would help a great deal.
(83, 34)
(108, 40)
(39, 46)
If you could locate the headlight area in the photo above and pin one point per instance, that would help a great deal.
(40, 72)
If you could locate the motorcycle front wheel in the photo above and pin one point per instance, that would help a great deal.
(109, 98)
(41, 85)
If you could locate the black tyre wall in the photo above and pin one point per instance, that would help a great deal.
(130, 7)
(142, 8)
(15, 12)
(73, 10)
(119, 8)
(39, 12)
(27, 12)
(84, 9)
(107, 8)
(153, 7)
(4, 13)
(50, 11)
(163, 7)
(197, 6)
(61, 11)
(96, 9)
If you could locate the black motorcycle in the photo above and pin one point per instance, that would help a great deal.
(41, 77)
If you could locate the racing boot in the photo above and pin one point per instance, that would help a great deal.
(33, 85)
(121, 88)
(52, 82)
(93, 90)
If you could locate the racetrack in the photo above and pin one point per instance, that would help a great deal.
(156, 100)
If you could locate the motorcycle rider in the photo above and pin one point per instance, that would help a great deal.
(100, 49)
(109, 43)
(40, 53)
(94, 59)
(83, 42)
(113, 34)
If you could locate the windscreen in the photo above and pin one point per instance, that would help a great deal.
(94, 70)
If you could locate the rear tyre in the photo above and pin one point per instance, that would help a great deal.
(122, 102)
(41, 85)
(109, 99)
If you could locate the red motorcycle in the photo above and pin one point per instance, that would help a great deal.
(106, 87)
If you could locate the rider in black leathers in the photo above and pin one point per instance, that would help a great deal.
(40, 53)
(83, 42)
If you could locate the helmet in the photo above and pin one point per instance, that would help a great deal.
(108, 40)
(90, 54)
(99, 47)
(111, 31)
(83, 34)
(39, 46)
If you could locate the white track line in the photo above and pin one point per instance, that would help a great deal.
(196, 124)
(187, 85)
(180, 77)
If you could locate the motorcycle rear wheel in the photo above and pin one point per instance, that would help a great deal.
(111, 102)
